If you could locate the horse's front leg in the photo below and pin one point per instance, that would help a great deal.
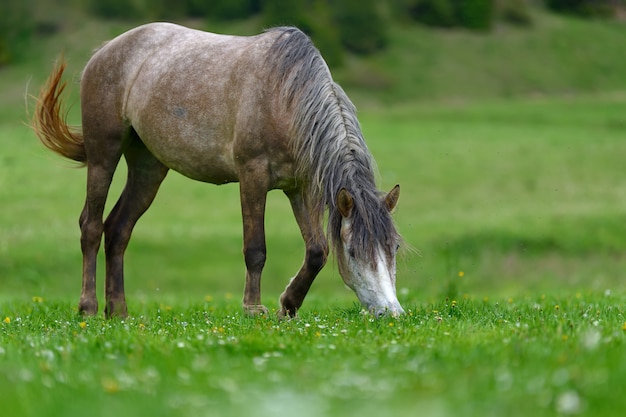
(314, 260)
(253, 194)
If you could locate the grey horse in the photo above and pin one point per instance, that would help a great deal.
(263, 111)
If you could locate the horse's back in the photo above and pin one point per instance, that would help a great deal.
(141, 58)
(133, 47)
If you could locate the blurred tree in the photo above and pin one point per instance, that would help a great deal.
(286, 13)
(114, 9)
(516, 12)
(325, 33)
(361, 25)
(222, 9)
(138, 9)
(16, 28)
(432, 12)
(587, 8)
(314, 17)
(471, 14)
(475, 14)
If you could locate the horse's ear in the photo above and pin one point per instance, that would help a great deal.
(345, 202)
(391, 199)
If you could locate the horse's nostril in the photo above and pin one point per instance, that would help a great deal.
(387, 311)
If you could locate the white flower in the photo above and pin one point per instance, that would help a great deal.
(569, 402)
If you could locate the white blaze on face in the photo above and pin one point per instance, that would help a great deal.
(373, 282)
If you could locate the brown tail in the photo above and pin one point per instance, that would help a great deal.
(49, 120)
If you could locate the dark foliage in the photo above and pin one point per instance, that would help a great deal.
(516, 12)
(16, 28)
(222, 9)
(471, 14)
(586, 8)
(475, 14)
(315, 18)
(361, 25)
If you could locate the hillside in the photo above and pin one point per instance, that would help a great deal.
(557, 55)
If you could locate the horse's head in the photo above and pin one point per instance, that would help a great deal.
(367, 256)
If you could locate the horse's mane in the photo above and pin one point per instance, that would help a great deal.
(328, 145)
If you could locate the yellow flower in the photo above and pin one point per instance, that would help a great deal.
(453, 303)
(557, 307)
(142, 326)
(37, 299)
(7, 320)
(208, 298)
(390, 324)
(624, 326)
(110, 385)
(82, 324)
(461, 274)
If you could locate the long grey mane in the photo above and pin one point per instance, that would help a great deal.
(328, 145)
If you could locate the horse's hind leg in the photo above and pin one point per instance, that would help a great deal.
(100, 170)
(145, 174)
(315, 257)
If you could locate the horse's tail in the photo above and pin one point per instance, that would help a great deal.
(49, 120)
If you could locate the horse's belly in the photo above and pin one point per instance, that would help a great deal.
(196, 156)
(213, 175)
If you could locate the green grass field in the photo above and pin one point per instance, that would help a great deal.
(513, 210)
(542, 356)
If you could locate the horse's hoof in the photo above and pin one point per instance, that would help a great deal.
(118, 310)
(284, 314)
(288, 309)
(256, 310)
(87, 308)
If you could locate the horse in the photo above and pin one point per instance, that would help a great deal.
(260, 110)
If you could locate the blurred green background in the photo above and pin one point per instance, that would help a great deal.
(504, 121)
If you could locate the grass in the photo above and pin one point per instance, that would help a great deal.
(513, 197)
(544, 356)
(511, 192)
(558, 56)
(524, 191)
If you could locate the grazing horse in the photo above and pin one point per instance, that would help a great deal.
(262, 111)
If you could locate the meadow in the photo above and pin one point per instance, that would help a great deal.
(512, 210)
